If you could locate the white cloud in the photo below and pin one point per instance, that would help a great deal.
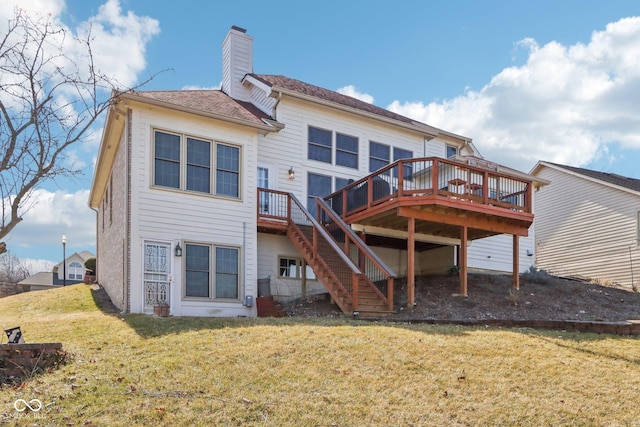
(52, 214)
(353, 92)
(565, 104)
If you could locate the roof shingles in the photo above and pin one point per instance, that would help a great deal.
(611, 178)
(209, 101)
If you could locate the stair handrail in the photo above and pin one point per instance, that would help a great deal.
(387, 273)
(337, 219)
(325, 234)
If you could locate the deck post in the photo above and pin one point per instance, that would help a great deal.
(516, 262)
(411, 265)
(462, 254)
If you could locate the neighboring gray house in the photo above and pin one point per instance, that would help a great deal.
(588, 224)
(75, 271)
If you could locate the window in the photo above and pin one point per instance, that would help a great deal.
(400, 154)
(184, 162)
(76, 271)
(346, 151)
(451, 151)
(204, 281)
(320, 145)
(292, 268)
(197, 271)
(227, 273)
(317, 186)
(228, 171)
(379, 155)
(198, 165)
(167, 162)
(342, 182)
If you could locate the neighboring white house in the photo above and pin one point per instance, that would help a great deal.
(588, 224)
(194, 188)
(73, 266)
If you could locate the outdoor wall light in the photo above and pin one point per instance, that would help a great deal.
(292, 173)
(178, 250)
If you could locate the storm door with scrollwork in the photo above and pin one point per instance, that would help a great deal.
(156, 274)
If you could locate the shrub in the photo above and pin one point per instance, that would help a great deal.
(90, 264)
(535, 275)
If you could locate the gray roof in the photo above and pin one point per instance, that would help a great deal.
(302, 88)
(208, 101)
(42, 278)
(611, 178)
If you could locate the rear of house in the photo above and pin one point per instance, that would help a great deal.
(187, 182)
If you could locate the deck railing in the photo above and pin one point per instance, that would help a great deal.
(433, 176)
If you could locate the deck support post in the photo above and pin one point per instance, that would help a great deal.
(462, 254)
(411, 265)
(516, 262)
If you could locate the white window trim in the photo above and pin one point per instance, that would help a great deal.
(183, 165)
(212, 273)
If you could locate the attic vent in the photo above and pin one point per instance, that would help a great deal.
(242, 30)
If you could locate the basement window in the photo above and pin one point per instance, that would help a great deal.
(291, 268)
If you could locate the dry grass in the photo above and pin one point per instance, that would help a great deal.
(139, 370)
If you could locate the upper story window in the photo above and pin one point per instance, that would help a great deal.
(400, 154)
(379, 156)
(452, 150)
(346, 151)
(184, 162)
(321, 147)
(317, 186)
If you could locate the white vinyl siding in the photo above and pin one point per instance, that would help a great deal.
(185, 216)
(586, 228)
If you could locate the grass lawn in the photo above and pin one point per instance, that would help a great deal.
(139, 370)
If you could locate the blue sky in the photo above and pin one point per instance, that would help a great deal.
(528, 81)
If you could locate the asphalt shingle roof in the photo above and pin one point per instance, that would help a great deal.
(303, 88)
(209, 101)
(611, 178)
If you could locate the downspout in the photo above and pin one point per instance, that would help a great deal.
(97, 243)
(633, 285)
(275, 106)
(126, 288)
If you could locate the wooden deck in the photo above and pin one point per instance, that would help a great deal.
(442, 196)
(431, 199)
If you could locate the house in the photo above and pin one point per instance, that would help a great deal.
(202, 194)
(73, 266)
(588, 224)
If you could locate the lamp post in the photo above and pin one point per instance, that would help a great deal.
(64, 260)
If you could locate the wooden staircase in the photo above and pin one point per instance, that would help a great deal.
(354, 291)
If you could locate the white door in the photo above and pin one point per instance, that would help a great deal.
(156, 274)
(264, 182)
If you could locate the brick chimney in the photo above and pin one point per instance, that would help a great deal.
(237, 61)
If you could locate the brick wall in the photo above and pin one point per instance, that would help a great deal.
(111, 230)
(25, 360)
(7, 289)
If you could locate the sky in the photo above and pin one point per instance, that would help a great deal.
(527, 81)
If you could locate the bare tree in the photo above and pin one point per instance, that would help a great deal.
(50, 97)
(12, 269)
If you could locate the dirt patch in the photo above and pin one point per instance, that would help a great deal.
(492, 297)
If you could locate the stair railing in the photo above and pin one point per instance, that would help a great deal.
(374, 271)
(343, 271)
